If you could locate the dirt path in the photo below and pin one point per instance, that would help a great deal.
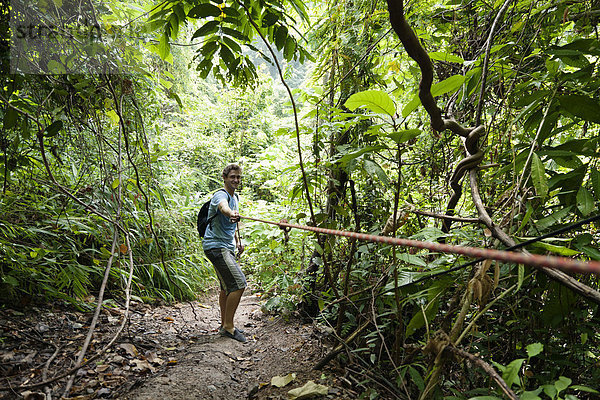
(214, 367)
(166, 352)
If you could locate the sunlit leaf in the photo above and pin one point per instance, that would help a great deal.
(447, 85)
(404, 136)
(281, 381)
(375, 100)
(560, 250)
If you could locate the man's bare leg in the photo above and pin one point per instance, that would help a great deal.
(222, 303)
(232, 300)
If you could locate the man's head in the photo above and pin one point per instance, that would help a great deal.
(231, 168)
(232, 175)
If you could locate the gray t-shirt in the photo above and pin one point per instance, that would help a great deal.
(220, 231)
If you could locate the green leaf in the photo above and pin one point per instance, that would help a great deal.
(376, 171)
(534, 349)
(10, 280)
(115, 183)
(511, 373)
(227, 55)
(538, 175)
(404, 136)
(375, 100)
(411, 106)
(441, 56)
(585, 201)
(54, 128)
(595, 176)
(411, 259)
(485, 398)
(355, 154)
(206, 29)
(269, 19)
(447, 85)
(281, 34)
(440, 88)
(309, 390)
(235, 34)
(416, 378)
(561, 250)
(54, 67)
(10, 119)
(164, 47)
(562, 383)
(584, 389)
(583, 107)
(520, 276)
(204, 10)
(553, 219)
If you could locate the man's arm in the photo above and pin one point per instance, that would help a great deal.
(233, 215)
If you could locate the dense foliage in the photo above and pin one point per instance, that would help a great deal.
(320, 103)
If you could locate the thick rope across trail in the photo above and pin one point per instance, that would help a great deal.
(534, 260)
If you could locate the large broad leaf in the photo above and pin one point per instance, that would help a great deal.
(553, 218)
(511, 373)
(206, 29)
(204, 10)
(440, 56)
(404, 136)
(374, 100)
(585, 201)
(447, 85)
(534, 349)
(583, 107)
(376, 171)
(538, 175)
(54, 128)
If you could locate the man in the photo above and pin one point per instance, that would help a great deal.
(219, 247)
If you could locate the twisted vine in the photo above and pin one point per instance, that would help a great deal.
(474, 156)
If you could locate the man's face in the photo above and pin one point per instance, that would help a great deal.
(233, 179)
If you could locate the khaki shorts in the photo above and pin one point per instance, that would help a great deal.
(228, 270)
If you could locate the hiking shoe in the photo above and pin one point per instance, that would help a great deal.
(237, 335)
(222, 330)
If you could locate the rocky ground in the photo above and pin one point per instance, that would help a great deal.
(168, 352)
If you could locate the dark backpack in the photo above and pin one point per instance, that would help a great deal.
(203, 219)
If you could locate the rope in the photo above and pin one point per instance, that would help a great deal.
(564, 229)
(535, 260)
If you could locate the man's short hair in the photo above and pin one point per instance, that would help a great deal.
(229, 168)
